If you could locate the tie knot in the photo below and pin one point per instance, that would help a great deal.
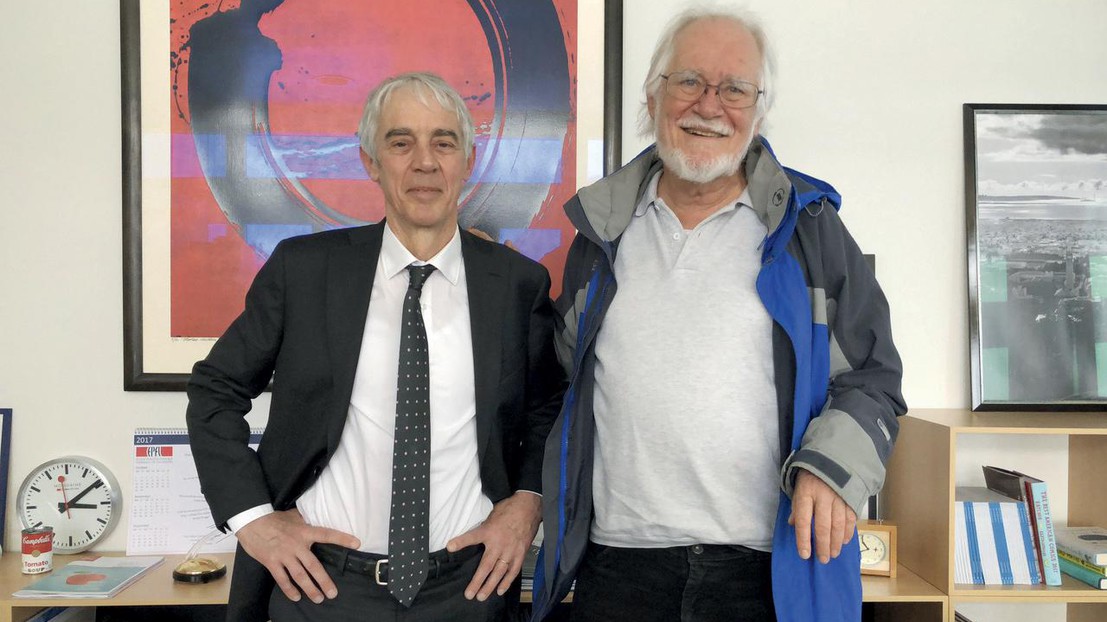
(417, 275)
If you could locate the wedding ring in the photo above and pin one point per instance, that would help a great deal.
(503, 561)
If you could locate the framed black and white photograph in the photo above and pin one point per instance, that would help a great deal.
(1036, 203)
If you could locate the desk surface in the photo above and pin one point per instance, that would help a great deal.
(156, 587)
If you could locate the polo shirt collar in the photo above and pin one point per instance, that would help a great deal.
(650, 199)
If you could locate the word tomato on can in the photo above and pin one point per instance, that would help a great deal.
(38, 550)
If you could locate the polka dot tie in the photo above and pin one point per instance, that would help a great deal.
(407, 530)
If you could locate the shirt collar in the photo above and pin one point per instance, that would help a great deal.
(650, 199)
(395, 258)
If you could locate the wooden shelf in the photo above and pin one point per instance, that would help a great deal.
(1069, 590)
(906, 587)
(963, 421)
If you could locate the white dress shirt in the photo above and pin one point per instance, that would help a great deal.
(353, 493)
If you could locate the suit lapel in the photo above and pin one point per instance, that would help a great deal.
(350, 272)
(486, 288)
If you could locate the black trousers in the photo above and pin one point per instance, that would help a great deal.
(442, 597)
(700, 583)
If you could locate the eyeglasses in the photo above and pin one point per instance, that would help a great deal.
(689, 86)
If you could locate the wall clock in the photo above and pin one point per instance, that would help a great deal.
(77, 496)
(877, 540)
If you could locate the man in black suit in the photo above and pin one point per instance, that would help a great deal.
(325, 500)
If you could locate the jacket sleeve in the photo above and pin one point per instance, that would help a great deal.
(545, 386)
(570, 304)
(220, 393)
(848, 444)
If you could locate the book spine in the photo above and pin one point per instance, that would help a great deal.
(975, 564)
(962, 569)
(1083, 574)
(1043, 519)
(999, 534)
(1038, 557)
(1029, 553)
(1099, 570)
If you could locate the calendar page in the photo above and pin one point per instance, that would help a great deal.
(168, 512)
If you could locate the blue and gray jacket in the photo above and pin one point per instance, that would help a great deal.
(837, 373)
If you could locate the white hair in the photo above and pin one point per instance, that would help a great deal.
(423, 84)
(663, 55)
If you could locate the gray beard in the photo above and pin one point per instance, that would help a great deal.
(679, 164)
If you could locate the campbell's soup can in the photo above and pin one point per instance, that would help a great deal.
(38, 550)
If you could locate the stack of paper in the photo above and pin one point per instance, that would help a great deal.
(993, 544)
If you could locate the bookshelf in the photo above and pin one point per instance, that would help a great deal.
(919, 497)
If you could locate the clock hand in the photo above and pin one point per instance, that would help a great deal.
(91, 487)
(61, 481)
(76, 506)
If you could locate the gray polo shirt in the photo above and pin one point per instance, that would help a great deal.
(687, 446)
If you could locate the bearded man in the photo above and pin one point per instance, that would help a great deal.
(735, 387)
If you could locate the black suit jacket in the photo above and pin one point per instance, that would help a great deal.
(302, 327)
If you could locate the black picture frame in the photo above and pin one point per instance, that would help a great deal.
(136, 375)
(1036, 232)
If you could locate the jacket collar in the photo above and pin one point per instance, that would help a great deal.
(603, 210)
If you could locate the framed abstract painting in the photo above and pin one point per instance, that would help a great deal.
(239, 121)
(1036, 206)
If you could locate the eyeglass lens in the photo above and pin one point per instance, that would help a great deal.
(690, 86)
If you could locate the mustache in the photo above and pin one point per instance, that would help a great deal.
(695, 122)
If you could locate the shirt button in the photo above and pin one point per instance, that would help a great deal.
(697, 549)
(676, 236)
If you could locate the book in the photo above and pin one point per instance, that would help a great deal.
(1087, 543)
(1034, 494)
(1004, 481)
(993, 543)
(95, 577)
(1099, 570)
(1077, 571)
(1042, 521)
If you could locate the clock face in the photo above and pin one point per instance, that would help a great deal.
(76, 496)
(874, 550)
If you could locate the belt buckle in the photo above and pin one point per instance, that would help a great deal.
(377, 572)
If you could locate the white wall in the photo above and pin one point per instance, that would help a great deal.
(870, 98)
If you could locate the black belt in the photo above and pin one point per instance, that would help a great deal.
(376, 566)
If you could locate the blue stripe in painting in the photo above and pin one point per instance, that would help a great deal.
(517, 160)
